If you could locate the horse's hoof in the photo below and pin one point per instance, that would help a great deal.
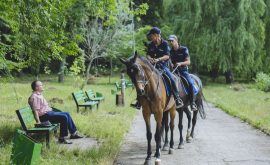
(165, 148)
(181, 146)
(188, 132)
(158, 162)
(189, 139)
(171, 151)
(147, 162)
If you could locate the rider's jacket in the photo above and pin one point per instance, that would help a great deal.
(179, 55)
(158, 51)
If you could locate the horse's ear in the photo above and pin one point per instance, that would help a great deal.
(123, 61)
(135, 57)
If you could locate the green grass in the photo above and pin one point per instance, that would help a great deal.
(99, 124)
(250, 105)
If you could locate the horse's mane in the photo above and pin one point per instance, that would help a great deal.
(143, 59)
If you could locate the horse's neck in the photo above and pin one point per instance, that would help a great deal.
(153, 82)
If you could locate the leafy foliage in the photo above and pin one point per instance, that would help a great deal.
(223, 33)
(263, 82)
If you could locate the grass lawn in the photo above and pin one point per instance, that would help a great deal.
(249, 104)
(107, 124)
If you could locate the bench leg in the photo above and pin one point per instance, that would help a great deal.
(97, 105)
(90, 107)
(55, 130)
(77, 109)
(48, 139)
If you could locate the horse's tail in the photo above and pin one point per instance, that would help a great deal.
(199, 101)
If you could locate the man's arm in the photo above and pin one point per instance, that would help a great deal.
(187, 62)
(165, 57)
(36, 116)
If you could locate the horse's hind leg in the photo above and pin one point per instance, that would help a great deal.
(172, 116)
(180, 126)
(165, 124)
(188, 137)
(194, 120)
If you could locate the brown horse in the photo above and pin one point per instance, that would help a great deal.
(185, 99)
(152, 96)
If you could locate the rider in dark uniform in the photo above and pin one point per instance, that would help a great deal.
(180, 57)
(158, 52)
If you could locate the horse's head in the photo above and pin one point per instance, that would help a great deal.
(135, 72)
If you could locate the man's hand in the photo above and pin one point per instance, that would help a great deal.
(156, 60)
(177, 64)
(151, 60)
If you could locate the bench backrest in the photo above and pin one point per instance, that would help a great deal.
(25, 116)
(90, 93)
(117, 85)
(79, 96)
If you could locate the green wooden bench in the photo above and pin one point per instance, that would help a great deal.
(113, 92)
(26, 116)
(92, 97)
(80, 97)
(128, 83)
(118, 86)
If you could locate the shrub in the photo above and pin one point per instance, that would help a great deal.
(263, 82)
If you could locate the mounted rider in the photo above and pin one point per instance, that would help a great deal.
(158, 52)
(180, 57)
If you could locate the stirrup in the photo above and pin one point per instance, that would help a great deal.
(194, 107)
(180, 105)
(136, 105)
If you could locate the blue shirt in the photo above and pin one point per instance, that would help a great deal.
(158, 51)
(179, 55)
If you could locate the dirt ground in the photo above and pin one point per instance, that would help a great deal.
(220, 139)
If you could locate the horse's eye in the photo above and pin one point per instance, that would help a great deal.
(131, 70)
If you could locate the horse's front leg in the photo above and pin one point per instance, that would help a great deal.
(158, 118)
(166, 126)
(189, 139)
(194, 120)
(180, 126)
(149, 138)
(172, 116)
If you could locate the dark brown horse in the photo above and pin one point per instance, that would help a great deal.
(185, 99)
(152, 96)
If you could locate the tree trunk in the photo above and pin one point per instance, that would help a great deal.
(214, 73)
(61, 71)
(229, 76)
(111, 71)
(87, 73)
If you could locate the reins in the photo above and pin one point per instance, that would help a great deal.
(145, 83)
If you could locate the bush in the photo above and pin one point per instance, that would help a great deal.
(263, 82)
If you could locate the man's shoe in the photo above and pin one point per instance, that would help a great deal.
(64, 141)
(137, 105)
(193, 107)
(178, 103)
(76, 136)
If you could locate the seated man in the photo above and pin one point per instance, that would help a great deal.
(42, 112)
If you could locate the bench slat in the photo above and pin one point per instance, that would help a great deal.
(25, 115)
(25, 109)
(90, 103)
(79, 92)
(29, 120)
(80, 99)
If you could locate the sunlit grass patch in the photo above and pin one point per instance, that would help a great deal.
(107, 124)
(250, 105)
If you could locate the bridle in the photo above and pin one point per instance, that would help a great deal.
(145, 83)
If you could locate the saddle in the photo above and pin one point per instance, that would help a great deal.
(185, 85)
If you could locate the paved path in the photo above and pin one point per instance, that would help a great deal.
(220, 139)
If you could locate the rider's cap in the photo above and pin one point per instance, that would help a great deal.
(172, 37)
(154, 30)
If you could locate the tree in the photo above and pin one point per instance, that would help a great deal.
(228, 33)
(102, 33)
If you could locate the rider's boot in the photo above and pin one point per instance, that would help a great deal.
(178, 102)
(137, 105)
(193, 106)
